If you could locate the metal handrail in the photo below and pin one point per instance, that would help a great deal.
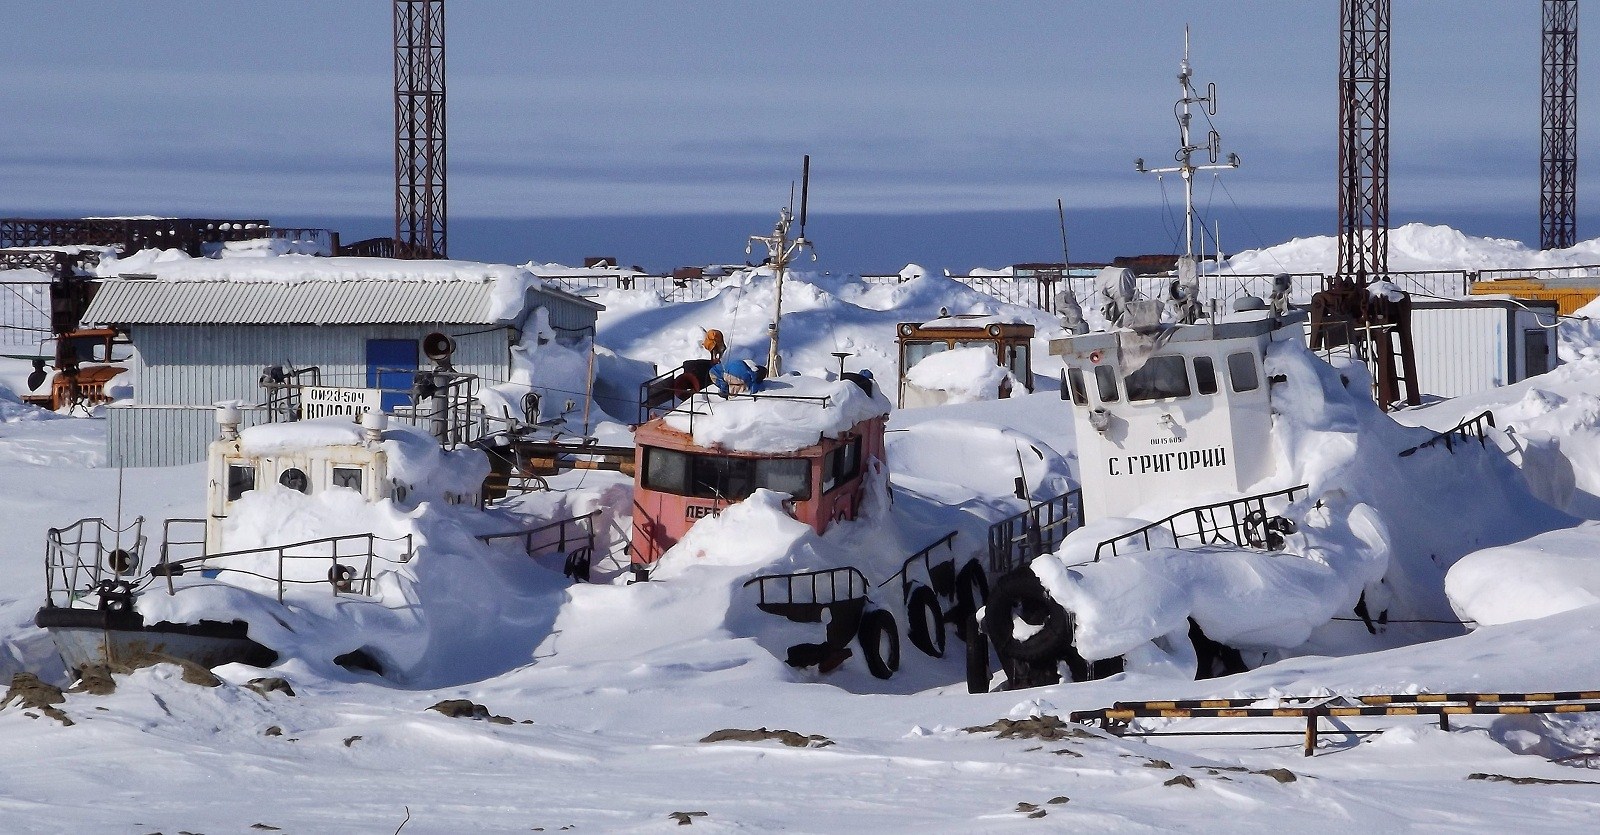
(1473, 428)
(336, 579)
(1038, 530)
(585, 539)
(854, 579)
(1206, 527)
(64, 557)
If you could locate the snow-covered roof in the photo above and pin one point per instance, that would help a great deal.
(298, 289)
(778, 420)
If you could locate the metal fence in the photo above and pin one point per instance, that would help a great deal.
(25, 315)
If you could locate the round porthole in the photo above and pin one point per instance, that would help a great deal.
(295, 479)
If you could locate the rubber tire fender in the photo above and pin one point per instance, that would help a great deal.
(972, 589)
(877, 628)
(977, 657)
(1021, 589)
(926, 626)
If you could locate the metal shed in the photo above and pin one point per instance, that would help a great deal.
(198, 342)
(1476, 344)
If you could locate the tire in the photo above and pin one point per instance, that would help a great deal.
(972, 589)
(1020, 593)
(977, 657)
(880, 643)
(926, 627)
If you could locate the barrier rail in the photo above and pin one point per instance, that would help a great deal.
(1038, 530)
(1473, 428)
(1117, 718)
(1246, 521)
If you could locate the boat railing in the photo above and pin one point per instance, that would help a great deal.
(1472, 429)
(351, 561)
(80, 557)
(572, 537)
(1017, 540)
(689, 406)
(442, 403)
(1244, 522)
(782, 588)
(925, 557)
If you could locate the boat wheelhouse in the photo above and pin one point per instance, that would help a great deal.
(1180, 412)
(1009, 341)
(811, 439)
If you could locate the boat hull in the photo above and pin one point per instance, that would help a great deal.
(91, 637)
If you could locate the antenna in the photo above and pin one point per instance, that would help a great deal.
(1066, 261)
(1183, 110)
(805, 192)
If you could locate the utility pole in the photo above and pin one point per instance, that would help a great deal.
(1364, 140)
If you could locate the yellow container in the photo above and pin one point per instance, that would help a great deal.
(1569, 296)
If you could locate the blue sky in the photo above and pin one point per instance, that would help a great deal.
(608, 107)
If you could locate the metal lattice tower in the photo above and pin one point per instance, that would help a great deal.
(419, 129)
(1364, 139)
(1558, 154)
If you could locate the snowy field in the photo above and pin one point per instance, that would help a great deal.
(608, 691)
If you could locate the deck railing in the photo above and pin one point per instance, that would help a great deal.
(811, 584)
(1235, 522)
(80, 557)
(351, 560)
(1017, 540)
(572, 537)
(1472, 429)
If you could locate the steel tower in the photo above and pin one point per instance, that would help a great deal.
(1364, 139)
(419, 129)
(1558, 155)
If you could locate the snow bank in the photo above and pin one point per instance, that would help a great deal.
(1414, 246)
(982, 457)
(775, 422)
(299, 436)
(1542, 576)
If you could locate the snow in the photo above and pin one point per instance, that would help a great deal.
(1413, 246)
(964, 374)
(298, 436)
(789, 413)
(611, 686)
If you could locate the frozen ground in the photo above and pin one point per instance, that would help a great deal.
(610, 688)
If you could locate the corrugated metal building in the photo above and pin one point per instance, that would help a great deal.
(1464, 346)
(200, 342)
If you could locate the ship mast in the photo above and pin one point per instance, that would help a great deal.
(780, 251)
(1184, 111)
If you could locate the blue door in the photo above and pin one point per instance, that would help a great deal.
(391, 365)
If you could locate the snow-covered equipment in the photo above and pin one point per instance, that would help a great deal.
(931, 373)
(1370, 317)
(812, 439)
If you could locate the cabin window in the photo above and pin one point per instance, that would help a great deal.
(1106, 381)
(241, 479)
(1205, 375)
(841, 464)
(295, 479)
(916, 352)
(722, 477)
(1242, 370)
(347, 477)
(1080, 395)
(1161, 378)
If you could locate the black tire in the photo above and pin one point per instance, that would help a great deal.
(926, 626)
(1020, 593)
(977, 657)
(880, 643)
(972, 589)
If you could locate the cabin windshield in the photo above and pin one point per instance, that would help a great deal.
(721, 476)
(916, 352)
(1161, 378)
